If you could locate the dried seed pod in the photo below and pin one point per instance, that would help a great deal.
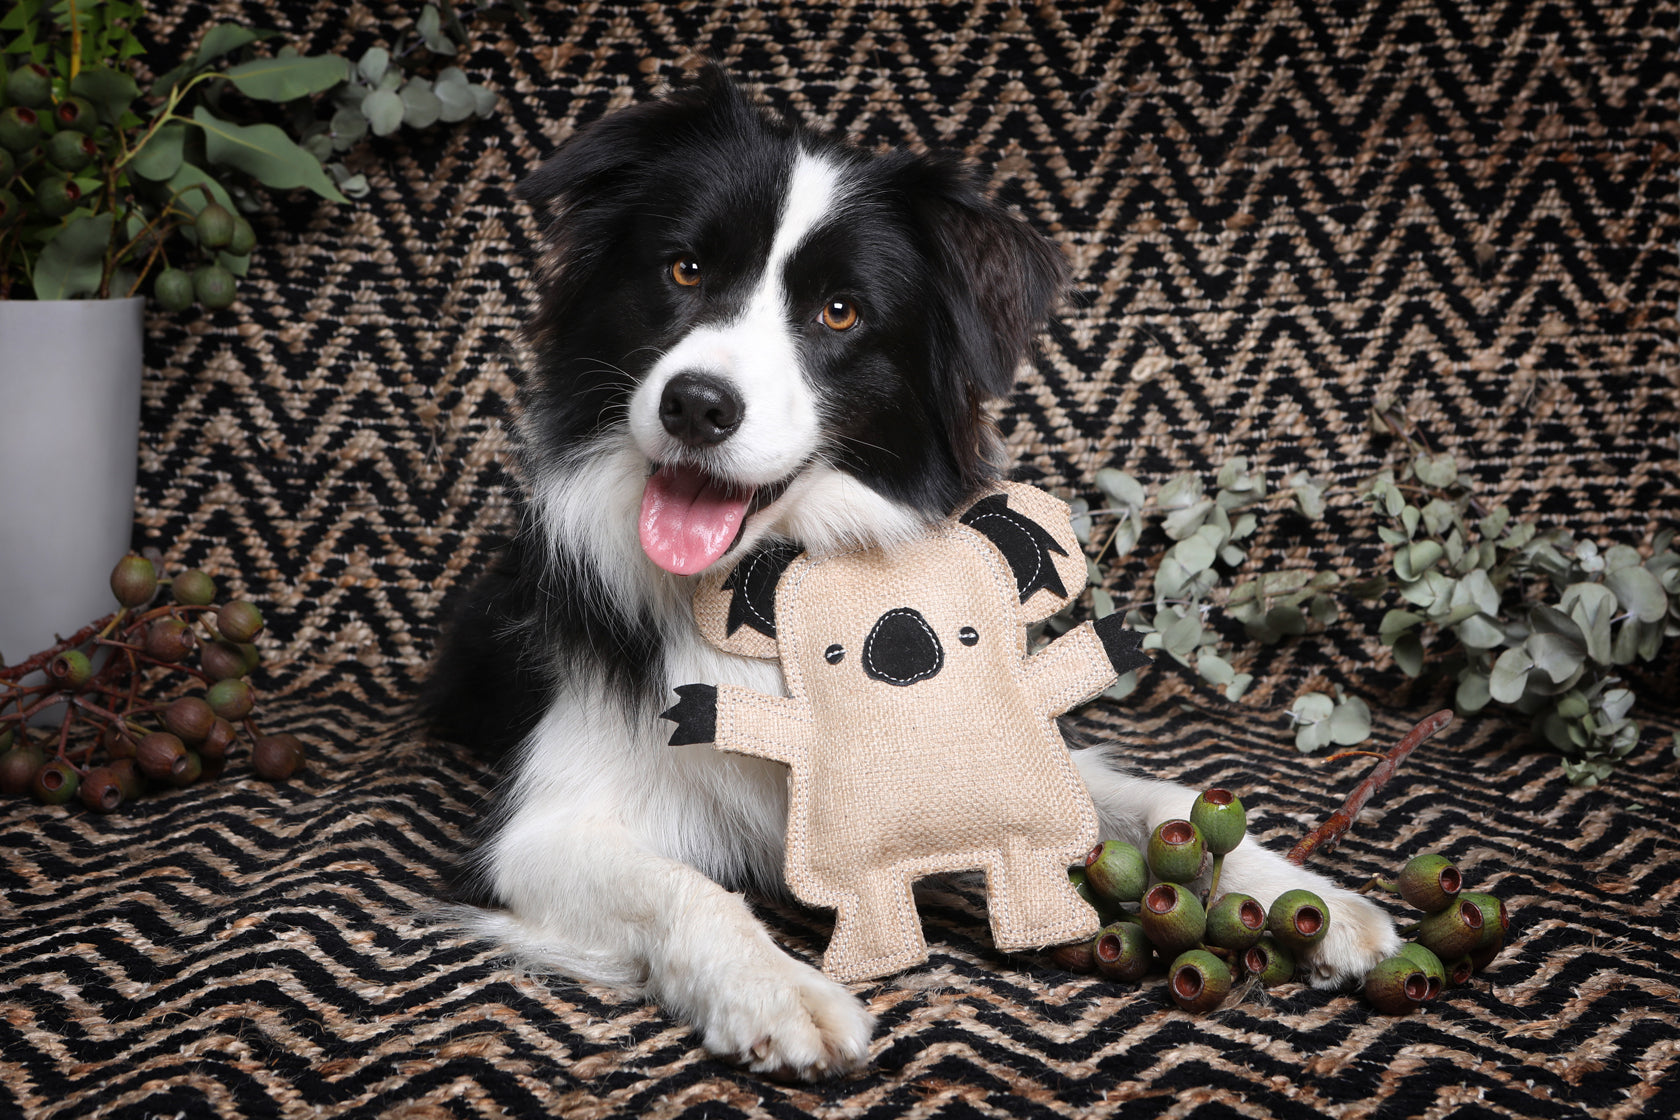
(1199, 981)
(1429, 882)
(222, 661)
(1235, 922)
(1396, 986)
(1496, 921)
(1298, 918)
(55, 782)
(169, 639)
(134, 581)
(1176, 851)
(239, 621)
(190, 718)
(1453, 932)
(17, 768)
(192, 587)
(1269, 961)
(1483, 956)
(70, 669)
(1221, 819)
(1173, 918)
(217, 741)
(160, 754)
(1123, 951)
(116, 740)
(1077, 957)
(129, 778)
(277, 757)
(1116, 871)
(1433, 970)
(231, 699)
(1459, 971)
(101, 790)
(190, 770)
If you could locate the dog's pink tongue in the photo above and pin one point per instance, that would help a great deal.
(689, 519)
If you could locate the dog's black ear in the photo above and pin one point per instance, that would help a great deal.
(1006, 276)
(595, 160)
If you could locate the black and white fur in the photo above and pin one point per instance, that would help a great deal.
(612, 856)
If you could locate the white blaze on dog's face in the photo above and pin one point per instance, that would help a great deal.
(789, 335)
(746, 372)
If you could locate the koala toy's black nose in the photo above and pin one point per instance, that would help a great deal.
(699, 410)
(902, 648)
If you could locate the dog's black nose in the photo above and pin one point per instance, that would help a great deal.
(902, 648)
(699, 410)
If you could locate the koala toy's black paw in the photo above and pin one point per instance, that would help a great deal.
(694, 713)
(1124, 647)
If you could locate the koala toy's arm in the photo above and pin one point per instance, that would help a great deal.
(740, 720)
(1081, 663)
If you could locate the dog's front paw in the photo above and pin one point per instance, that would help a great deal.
(1361, 934)
(791, 1022)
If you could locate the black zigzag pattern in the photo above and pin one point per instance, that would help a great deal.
(1274, 212)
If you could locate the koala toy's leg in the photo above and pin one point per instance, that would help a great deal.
(876, 929)
(1032, 903)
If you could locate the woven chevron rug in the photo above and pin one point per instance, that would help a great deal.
(1276, 211)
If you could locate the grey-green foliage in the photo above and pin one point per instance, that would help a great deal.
(1204, 534)
(1519, 616)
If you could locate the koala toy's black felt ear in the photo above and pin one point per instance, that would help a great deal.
(754, 585)
(1026, 544)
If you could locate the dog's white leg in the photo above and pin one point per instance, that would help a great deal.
(584, 898)
(1129, 807)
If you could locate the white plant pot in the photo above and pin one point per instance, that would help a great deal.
(69, 442)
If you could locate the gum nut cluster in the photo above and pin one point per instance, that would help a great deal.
(1460, 934)
(1204, 948)
(140, 741)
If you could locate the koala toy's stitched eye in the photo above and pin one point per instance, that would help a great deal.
(968, 635)
(839, 315)
(834, 654)
(685, 270)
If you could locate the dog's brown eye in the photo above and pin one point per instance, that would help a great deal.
(839, 315)
(686, 271)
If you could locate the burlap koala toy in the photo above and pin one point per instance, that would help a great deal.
(919, 734)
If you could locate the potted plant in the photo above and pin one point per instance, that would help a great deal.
(115, 185)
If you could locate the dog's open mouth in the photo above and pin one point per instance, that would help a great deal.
(689, 518)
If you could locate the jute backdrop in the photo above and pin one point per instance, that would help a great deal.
(1275, 212)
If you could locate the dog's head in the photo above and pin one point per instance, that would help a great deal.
(779, 334)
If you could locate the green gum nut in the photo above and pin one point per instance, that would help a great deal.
(193, 587)
(1221, 819)
(1396, 986)
(55, 782)
(1433, 970)
(1496, 921)
(17, 769)
(1459, 971)
(70, 669)
(1117, 871)
(1198, 981)
(1235, 922)
(1123, 951)
(1298, 919)
(1176, 851)
(1172, 918)
(1453, 932)
(1483, 956)
(1082, 884)
(1269, 961)
(1429, 882)
(134, 581)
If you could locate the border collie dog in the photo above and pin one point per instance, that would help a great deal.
(745, 332)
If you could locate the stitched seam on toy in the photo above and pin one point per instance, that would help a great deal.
(869, 647)
(1039, 552)
(746, 601)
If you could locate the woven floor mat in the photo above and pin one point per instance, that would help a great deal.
(1275, 213)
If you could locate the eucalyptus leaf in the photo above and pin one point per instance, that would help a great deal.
(110, 91)
(347, 129)
(1287, 621)
(160, 158)
(1234, 474)
(265, 153)
(1123, 687)
(1408, 654)
(1181, 523)
(225, 38)
(1323, 610)
(1239, 685)
(484, 100)
(1439, 471)
(182, 185)
(1214, 669)
(1409, 518)
(1350, 722)
(384, 111)
(1479, 589)
(421, 107)
(1243, 526)
(1479, 632)
(1472, 694)
(1396, 623)
(372, 65)
(1122, 487)
(1183, 634)
(1194, 554)
(1102, 603)
(1416, 558)
(72, 263)
(457, 101)
(1556, 656)
(287, 79)
(1638, 591)
(1312, 707)
(1180, 492)
(1510, 675)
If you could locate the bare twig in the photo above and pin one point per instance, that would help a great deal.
(1327, 834)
